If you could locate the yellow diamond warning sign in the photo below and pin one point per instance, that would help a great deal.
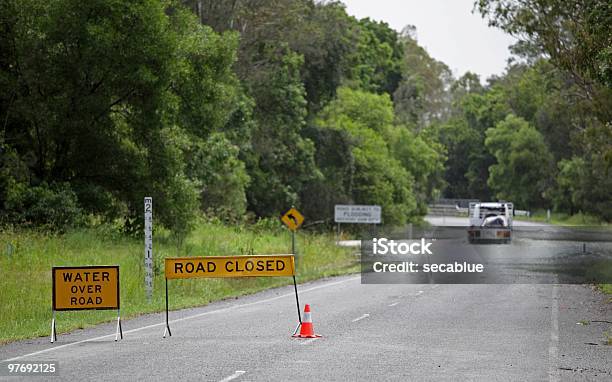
(293, 219)
(229, 266)
(87, 287)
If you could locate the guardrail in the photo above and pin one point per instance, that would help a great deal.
(455, 210)
(446, 210)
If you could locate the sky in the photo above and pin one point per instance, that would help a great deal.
(447, 29)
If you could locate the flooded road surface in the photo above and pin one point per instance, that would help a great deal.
(537, 254)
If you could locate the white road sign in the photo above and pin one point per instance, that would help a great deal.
(357, 214)
(148, 246)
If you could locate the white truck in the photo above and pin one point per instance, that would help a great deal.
(490, 222)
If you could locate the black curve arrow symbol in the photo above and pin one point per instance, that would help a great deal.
(290, 216)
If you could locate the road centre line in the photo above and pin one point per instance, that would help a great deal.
(237, 374)
(414, 295)
(182, 319)
(553, 347)
(361, 317)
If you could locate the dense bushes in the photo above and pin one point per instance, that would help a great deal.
(53, 207)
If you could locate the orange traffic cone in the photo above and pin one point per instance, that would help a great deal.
(306, 328)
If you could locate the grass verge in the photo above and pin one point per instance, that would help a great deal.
(25, 282)
(605, 288)
(559, 218)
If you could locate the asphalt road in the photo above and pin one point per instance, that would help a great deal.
(401, 332)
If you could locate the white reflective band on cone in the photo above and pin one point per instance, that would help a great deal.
(307, 317)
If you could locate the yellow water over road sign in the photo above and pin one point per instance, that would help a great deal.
(86, 287)
(293, 219)
(229, 266)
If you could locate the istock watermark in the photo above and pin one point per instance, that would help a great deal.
(387, 255)
(384, 246)
(445, 255)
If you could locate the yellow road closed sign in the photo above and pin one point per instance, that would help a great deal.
(86, 287)
(229, 266)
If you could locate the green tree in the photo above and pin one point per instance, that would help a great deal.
(461, 143)
(474, 110)
(100, 95)
(422, 157)
(378, 58)
(575, 34)
(334, 157)
(584, 182)
(328, 41)
(522, 173)
(545, 97)
(375, 175)
(422, 96)
(281, 161)
(321, 32)
(221, 175)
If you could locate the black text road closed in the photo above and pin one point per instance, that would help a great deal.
(229, 266)
(87, 287)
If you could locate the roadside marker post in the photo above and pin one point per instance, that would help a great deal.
(90, 287)
(148, 246)
(228, 267)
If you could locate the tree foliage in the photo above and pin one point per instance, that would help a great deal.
(100, 96)
(563, 88)
(575, 34)
(389, 165)
(422, 96)
(523, 168)
(244, 108)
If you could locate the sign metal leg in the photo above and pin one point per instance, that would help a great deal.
(293, 248)
(297, 301)
(297, 328)
(119, 332)
(53, 330)
(167, 329)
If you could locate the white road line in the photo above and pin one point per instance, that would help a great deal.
(182, 319)
(553, 348)
(361, 317)
(237, 374)
(435, 286)
(395, 303)
(417, 293)
(308, 341)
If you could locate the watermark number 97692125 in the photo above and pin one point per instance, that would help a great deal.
(29, 368)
